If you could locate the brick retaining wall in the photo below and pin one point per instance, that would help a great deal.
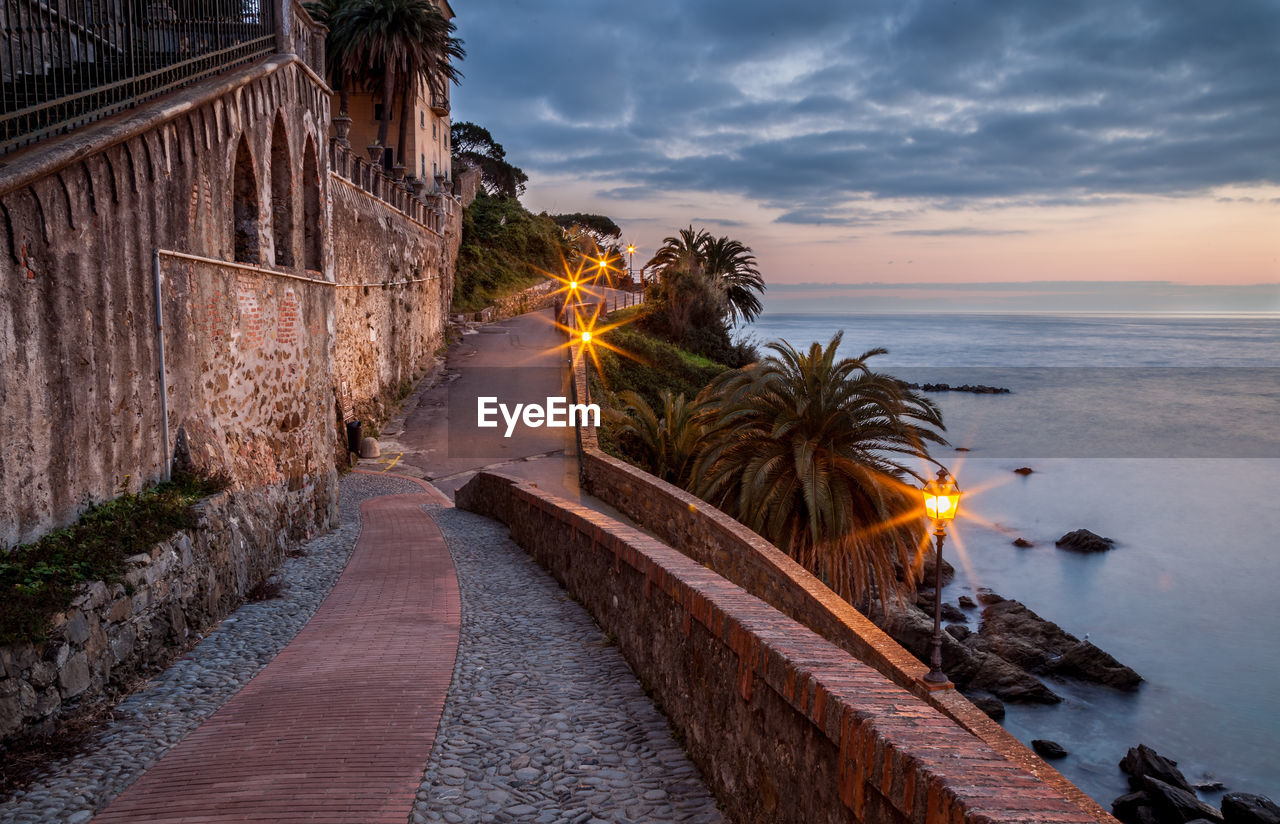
(785, 726)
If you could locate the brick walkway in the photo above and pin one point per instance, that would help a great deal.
(337, 728)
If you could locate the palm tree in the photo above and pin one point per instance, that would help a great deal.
(336, 49)
(399, 42)
(664, 445)
(733, 268)
(728, 264)
(808, 450)
(684, 251)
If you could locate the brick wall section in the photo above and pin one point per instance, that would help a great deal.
(387, 335)
(716, 540)
(786, 726)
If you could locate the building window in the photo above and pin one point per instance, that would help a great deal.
(424, 166)
(433, 169)
(434, 135)
(422, 119)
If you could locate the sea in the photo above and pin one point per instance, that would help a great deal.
(1161, 432)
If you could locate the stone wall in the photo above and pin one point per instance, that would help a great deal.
(248, 352)
(712, 538)
(395, 282)
(112, 633)
(785, 726)
(530, 299)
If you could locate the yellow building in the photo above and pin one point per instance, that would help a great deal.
(427, 151)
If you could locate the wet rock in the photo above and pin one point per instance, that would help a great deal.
(986, 596)
(988, 703)
(1022, 543)
(1020, 636)
(965, 602)
(948, 571)
(1126, 808)
(1023, 470)
(1246, 808)
(959, 631)
(1082, 540)
(1048, 749)
(971, 668)
(1142, 761)
(1177, 805)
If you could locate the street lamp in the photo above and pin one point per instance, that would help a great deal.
(941, 500)
(631, 251)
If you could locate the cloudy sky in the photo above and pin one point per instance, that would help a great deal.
(902, 142)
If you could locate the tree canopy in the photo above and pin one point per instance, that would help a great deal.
(474, 145)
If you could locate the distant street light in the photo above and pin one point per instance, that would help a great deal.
(941, 500)
(631, 251)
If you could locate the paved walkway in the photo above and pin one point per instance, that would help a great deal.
(338, 726)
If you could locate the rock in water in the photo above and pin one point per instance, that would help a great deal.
(1142, 761)
(1177, 805)
(1022, 543)
(1246, 808)
(1018, 635)
(965, 602)
(988, 703)
(1087, 662)
(1082, 540)
(948, 571)
(1023, 470)
(959, 631)
(1130, 807)
(1048, 749)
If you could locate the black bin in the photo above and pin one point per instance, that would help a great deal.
(354, 432)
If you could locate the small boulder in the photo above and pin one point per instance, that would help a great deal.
(1246, 808)
(962, 449)
(1082, 540)
(959, 631)
(1023, 471)
(1142, 761)
(988, 703)
(1048, 749)
(927, 575)
(1176, 804)
(1126, 807)
(1022, 543)
(369, 448)
(987, 597)
(965, 602)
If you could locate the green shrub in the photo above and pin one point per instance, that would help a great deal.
(504, 248)
(38, 580)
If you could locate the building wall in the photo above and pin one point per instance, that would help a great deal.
(248, 353)
(395, 283)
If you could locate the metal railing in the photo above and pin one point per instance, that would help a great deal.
(420, 200)
(64, 63)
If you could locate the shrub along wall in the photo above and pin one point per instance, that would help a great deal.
(111, 633)
(786, 726)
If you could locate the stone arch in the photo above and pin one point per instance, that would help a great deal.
(245, 206)
(312, 209)
(281, 195)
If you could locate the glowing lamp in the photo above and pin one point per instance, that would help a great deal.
(631, 250)
(573, 284)
(602, 263)
(586, 337)
(941, 497)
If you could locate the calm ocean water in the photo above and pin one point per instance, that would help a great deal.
(1162, 432)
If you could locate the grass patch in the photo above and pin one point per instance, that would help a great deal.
(39, 580)
(657, 365)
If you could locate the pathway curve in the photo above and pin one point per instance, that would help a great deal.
(173, 703)
(544, 721)
(337, 727)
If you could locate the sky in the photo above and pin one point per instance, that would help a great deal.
(905, 142)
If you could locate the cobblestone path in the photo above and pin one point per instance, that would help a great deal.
(544, 721)
(179, 699)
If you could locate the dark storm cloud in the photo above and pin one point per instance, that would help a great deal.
(814, 108)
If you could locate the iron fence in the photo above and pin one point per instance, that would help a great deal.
(64, 63)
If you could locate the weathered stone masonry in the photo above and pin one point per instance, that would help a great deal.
(264, 255)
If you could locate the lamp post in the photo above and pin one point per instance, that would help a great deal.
(941, 500)
(631, 251)
(585, 341)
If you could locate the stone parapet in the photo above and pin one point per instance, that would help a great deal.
(112, 633)
(785, 725)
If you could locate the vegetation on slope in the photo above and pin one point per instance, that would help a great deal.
(505, 248)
